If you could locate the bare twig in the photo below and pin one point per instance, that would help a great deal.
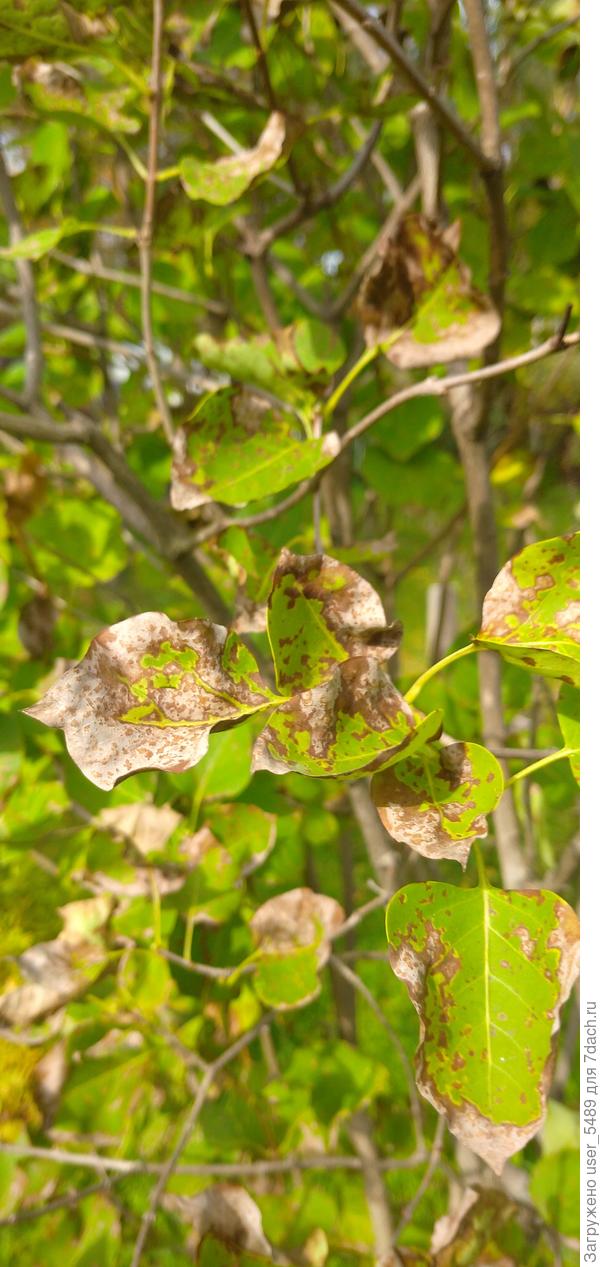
(34, 361)
(416, 79)
(187, 1130)
(360, 1131)
(434, 1157)
(532, 47)
(276, 1166)
(94, 268)
(67, 1202)
(491, 145)
(358, 984)
(441, 386)
(147, 225)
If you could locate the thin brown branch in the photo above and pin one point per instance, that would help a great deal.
(532, 47)
(359, 985)
(95, 268)
(416, 79)
(34, 361)
(491, 145)
(147, 226)
(169, 1167)
(67, 1202)
(441, 386)
(114, 478)
(360, 1132)
(276, 1166)
(432, 1164)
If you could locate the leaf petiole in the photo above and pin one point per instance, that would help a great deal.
(369, 355)
(481, 871)
(560, 755)
(413, 691)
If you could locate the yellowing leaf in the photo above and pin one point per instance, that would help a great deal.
(488, 972)
(147, 693)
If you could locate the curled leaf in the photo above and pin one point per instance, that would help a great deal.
(420, 288)
(354, 722)
(436, 802)
(293, 933)
(236, 449)
(147, 693)
(488, 972)
(225, 180)
(321, 613)
(531, 613)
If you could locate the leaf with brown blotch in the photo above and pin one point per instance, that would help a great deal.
(225, 180)
(293, 933)
(437, 801)
(487, 1227)
(354, 723)
(488, 972)
(147, 693)
(420, 288)
(531, 613)
(319, 614)
(225, 1211)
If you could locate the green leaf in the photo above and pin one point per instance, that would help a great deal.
(148, 692)
(35, 245)
(232, 843)
(319, 614)
(555, 1190)
(420, 289)
(354, 722)
(437, 801)
(317, 347)
(225, 180)
(531, 613)
(487, 972)
(238, 449)
(567, 710)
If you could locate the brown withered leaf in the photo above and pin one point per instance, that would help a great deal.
(225, 1211)
(297, 918)
(147, 693)
(148, 827)
(353, 723)
(320, 613)
(57, 971)
(420, 287)
(437, 800)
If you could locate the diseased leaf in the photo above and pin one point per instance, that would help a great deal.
(321, 613)
(293, 933)
(531, 613)
(147, 693)
(568, 719)
(420, 287)
(354, 722)
(225, 180)
(488, 1227)
(488, 972)
(317, 347)
(54, 972)
(236, 449)
(225, 1211)
(437, 801)
(148, 827)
